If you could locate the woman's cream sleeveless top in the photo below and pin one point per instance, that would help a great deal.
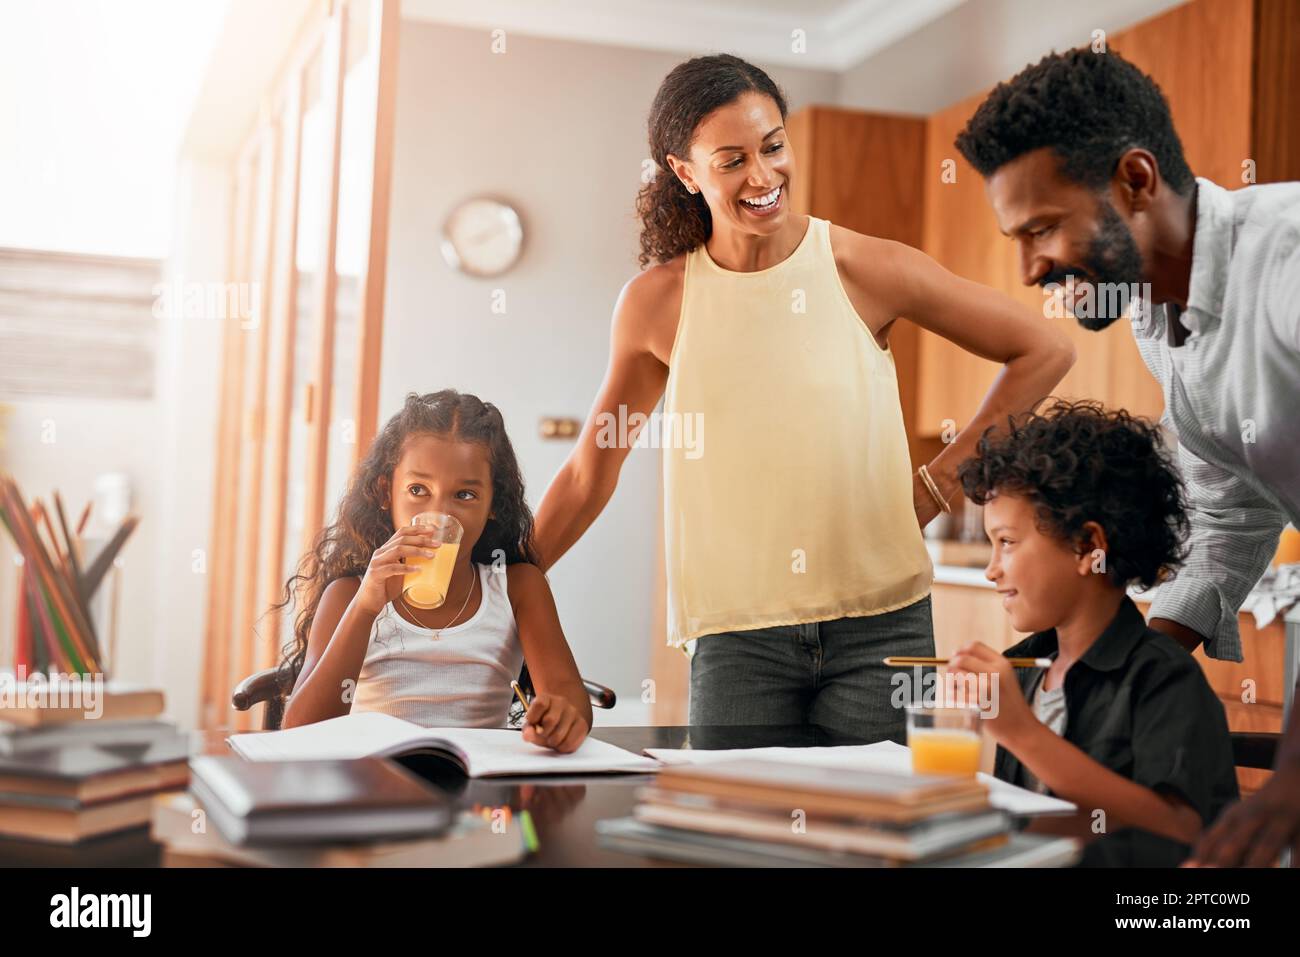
(787, 479)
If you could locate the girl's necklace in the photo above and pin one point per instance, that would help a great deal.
(437, 633)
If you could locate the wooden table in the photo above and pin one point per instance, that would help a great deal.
(565, 809)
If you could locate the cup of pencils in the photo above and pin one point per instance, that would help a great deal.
(55, 631)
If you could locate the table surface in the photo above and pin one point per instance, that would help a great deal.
(565, 809)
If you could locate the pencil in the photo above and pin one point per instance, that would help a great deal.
(519, 693)
(530, 832)
(902, 661)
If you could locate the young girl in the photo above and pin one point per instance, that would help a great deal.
(360, 645)
(1080, 504)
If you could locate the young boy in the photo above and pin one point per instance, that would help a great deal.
(1079, 504)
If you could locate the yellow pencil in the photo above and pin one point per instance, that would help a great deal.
(519, 693)
(902, 661)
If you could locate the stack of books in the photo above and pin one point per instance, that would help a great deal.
(68, 773)
(366, 812)
(755, 813)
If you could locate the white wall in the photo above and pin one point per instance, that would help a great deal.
(558, 128)
(977, 45)
(184, 447)
(166, 446)
(64, 444)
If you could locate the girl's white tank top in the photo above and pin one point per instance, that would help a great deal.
(456, 677)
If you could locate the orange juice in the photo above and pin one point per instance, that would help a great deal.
(426, 587)
(944, 751)
(1288, 547)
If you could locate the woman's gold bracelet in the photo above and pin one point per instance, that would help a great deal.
(934, 489)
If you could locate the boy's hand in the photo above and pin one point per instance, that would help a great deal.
(553, 722)
(1009, 711)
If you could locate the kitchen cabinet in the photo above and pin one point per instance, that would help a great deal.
(1231, 72)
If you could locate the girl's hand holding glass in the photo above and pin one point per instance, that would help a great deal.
(382, 582)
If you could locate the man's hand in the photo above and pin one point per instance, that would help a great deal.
(1253, 832)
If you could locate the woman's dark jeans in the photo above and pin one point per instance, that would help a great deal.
(828, 673)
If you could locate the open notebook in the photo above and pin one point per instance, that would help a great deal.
(481, 752)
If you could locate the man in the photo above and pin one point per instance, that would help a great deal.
(1084, 169)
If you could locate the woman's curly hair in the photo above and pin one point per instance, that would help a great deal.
(674, 221)
(363, 524)
(1079, 463)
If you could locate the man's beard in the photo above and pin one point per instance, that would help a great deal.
(1112, 258)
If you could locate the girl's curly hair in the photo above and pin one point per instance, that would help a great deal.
(345, 547)
(1079, 463)
(674, 221)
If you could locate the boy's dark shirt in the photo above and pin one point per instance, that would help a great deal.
(1139, 704)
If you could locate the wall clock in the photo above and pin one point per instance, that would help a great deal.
(482, 237)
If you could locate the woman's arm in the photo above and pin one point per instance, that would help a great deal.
(981, 320)
(336, 650)
(634, 379)
(559, 715)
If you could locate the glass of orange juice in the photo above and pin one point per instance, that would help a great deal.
(944, 740)
(426, 586)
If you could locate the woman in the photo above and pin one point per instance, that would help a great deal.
(794, 554)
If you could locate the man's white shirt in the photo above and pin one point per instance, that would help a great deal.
(1232, 396)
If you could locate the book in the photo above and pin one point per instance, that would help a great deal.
(18, 739)
(309, 801)
(880, 756)
(74, 790)
(631, 836)
(80, 762)
(70, 793)
(126, 848)
(480, 752)
(915, 841)
(30, 706)
(67, 824)
(468, 841)
(878, 795)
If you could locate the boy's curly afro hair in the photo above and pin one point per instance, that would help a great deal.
(1079, 463)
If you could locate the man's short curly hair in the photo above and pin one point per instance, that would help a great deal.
(1088, 107)
(1079, 463)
